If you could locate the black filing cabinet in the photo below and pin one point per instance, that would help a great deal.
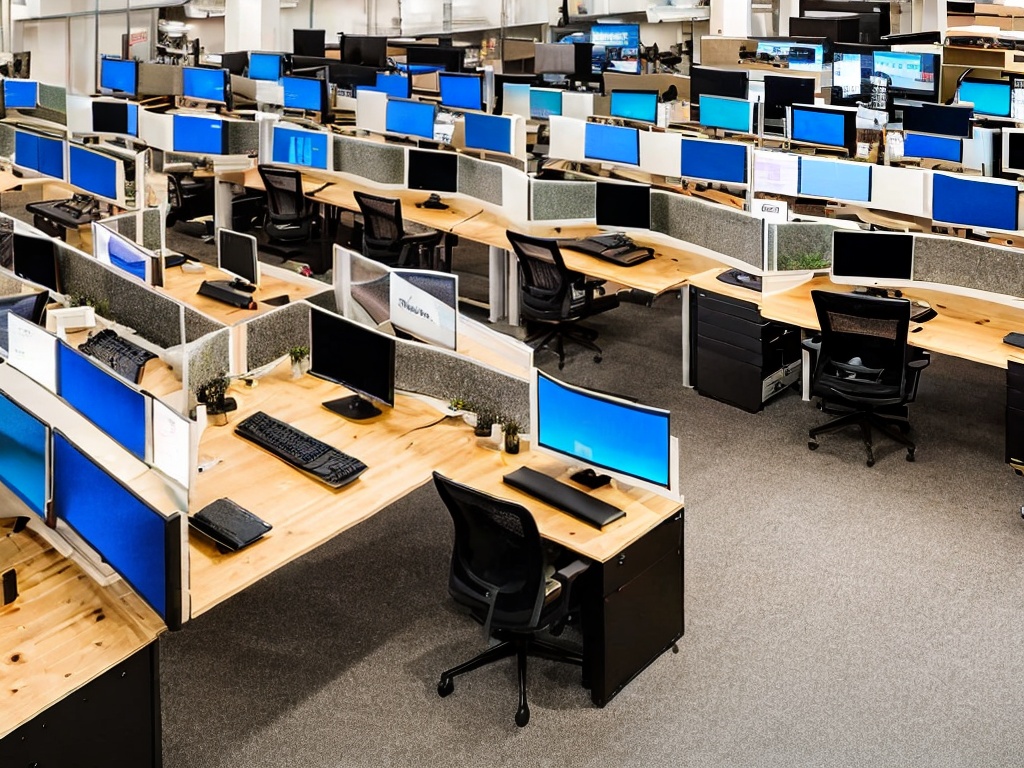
(1015, 415)
(738, 357)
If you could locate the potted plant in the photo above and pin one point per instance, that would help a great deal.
(511, 430)
(300, 360)
(484, 422)
(213, 392)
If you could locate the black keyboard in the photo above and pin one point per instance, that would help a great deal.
(614, 240)
(327, 464)
(124, 357)
(616, 248)
(228, 524)
(566, 498)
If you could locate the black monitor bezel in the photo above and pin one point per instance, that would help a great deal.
(418, 157)
(849, 125)
(357, 328)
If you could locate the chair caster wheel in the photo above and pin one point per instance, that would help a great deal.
(445, 687)
(561, 364)
(597, 358)
(812, 445)
(871, 462)
(523, 716)
(910, 454)
(675, 648)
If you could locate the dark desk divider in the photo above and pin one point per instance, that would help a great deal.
(715, 227)
(243, 137)
(209, 358)
(800, 245)
(562, 200)
(327, 300)
(6, 140)
(480, 179)
(382, 163)
(446, 375)
(952, 261)
(271, 335)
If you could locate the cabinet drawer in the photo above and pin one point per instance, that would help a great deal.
(642, 554)
(727, 335)
(741, 309)
(735, 353)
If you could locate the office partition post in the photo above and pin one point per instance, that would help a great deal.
(685, 293)
(502, 283)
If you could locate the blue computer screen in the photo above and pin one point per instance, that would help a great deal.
(118, 75)
(612, 143)
(462, 91)
(631, 439)
(398, 86)
(835, 179)
(298, 147)
(26, 150)
(933, 147)
(39, 153)
(23, 94)
(635, 105)
(93, 172)
(124, 255)
(303, 93)
(616, 48)
(714, 160)
(727, 114)
(412, 118)
(23, 443)
(204, 84)
(103, 399)
(974, 203)
(199, 134)
(490, 132)
(264, 66)
(545, 103)
(133, 119)
(990, 97)
(819, 127)
(125, 531)
(912, 73)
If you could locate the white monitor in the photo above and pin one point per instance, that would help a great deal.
(872, 259)
(1013, 150)
(32, 351)
(172, 443)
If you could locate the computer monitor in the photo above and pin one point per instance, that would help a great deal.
(715, 82)
(394, 84)
(852, 67)
(295, 146)
(202, 135)
(206, 84)
(499, 87)
(355, 357)
(545, 102)
(623, 205)
(42, 154)
(24, 456)
(872, 259)
(588, 427)
(136, 540)
(410, 118)
(808, 54)
(835, 179)
(364, 50)
(840, 28)
(440, 57)
(1013, 150)
(123, 254)
(616, 48)
(461, 90)
(35, 260)
(721, 161)
(119, 75)
(829, 126)
(265, 66)
(436, 171)
(911, 75)
(612, 143)
(490, 133)
(20, 94)
(781, 91)
(930, 147)
(989, 97)
(27, 306)
(173, 453)
(119, 117)
(634, 105)
(95, 172)
(309, 42)
(238, 255)
(940, 119)
(349, 77)
(727, 114)
(99, 394)
(306, 93)
(235, 62)
(974, 202)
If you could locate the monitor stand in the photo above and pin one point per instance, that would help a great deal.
(354, 408)
(590, 479)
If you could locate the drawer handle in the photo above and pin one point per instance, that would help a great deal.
(622, 560)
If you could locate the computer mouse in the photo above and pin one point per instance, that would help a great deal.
(921, 304)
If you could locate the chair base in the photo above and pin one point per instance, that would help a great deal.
(558, 334)
(521, 647)
(893, 428)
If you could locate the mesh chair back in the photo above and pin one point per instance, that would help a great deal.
(498, 558)
(545, 281)
(382, 217)
(284, 192)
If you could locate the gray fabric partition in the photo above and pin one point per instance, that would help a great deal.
(480, 179)
(953, 261)
(800, 245)
(243, 136)
(715, 227)
(562, 200)
(270, 336)
(209, 358)
(372, 160)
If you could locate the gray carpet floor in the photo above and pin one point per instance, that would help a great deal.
(835, 614)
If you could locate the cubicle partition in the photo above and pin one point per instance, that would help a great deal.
(206, 358)
(562, 200)
(481, 179)
(735, 235)
(270, 336)
(968, 265)
(800, 245)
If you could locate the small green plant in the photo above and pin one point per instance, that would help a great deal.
(213, 392)
(102, 306)
(485, 419)
(459, 404)
(803, 261)
(298, 353)
(511, 429)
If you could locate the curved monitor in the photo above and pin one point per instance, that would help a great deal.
(629, 441)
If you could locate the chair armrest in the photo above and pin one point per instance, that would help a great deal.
(919, 364)
(567, 574)
(812, 344)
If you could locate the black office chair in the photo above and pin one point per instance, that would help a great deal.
(556, 297)
(289, 218)
(189, 198)
(865, 369)
(386, 239)
(501, 573)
